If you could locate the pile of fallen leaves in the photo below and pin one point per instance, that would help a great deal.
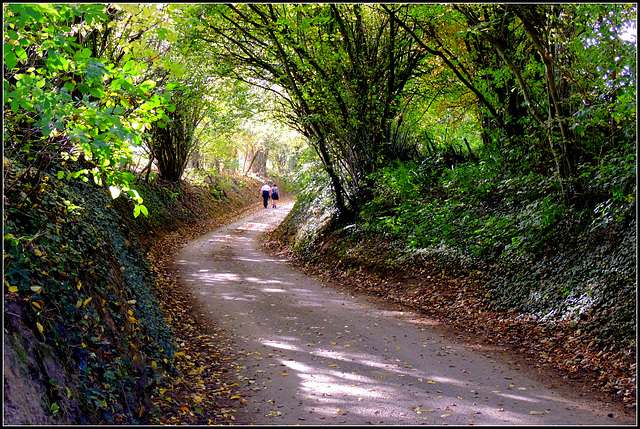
(458, 301)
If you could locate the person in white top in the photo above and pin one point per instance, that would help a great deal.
(264, 191)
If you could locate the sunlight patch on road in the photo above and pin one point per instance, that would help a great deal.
(263, 281)
(252, 260)
(222, 277)
(235, 297)
(254, 226)
(267, 289)
(279, 345)
(518, 397)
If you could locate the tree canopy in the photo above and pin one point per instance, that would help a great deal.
(348, 76)
(365, 84)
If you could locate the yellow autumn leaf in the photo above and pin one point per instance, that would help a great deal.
(13, 289)
(36, 305)
(79, 285)
(431, 382)
(40, 328)
(36, 289)
(446, 415)
(536, 412)
(86, 301)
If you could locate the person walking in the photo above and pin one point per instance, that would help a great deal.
(274, 194)
(265, 193)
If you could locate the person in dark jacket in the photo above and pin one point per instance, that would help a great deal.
(274, 194)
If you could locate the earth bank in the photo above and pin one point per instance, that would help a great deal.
(82, 304)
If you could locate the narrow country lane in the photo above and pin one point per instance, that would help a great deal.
(314, 355)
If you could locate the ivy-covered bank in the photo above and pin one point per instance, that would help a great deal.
(84, 330)
(495, 257)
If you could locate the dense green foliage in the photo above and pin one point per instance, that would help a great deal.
(339, 72)
(71, 92)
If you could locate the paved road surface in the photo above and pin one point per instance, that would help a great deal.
(313, 355)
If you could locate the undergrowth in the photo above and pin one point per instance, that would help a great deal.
(542, 256)
(549, 258)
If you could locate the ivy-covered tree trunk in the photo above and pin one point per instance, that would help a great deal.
(171, 144)
(174, 141)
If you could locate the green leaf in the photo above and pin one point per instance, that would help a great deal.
(96, 92)
(147, 85)
(10, 59)
(83, 87)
